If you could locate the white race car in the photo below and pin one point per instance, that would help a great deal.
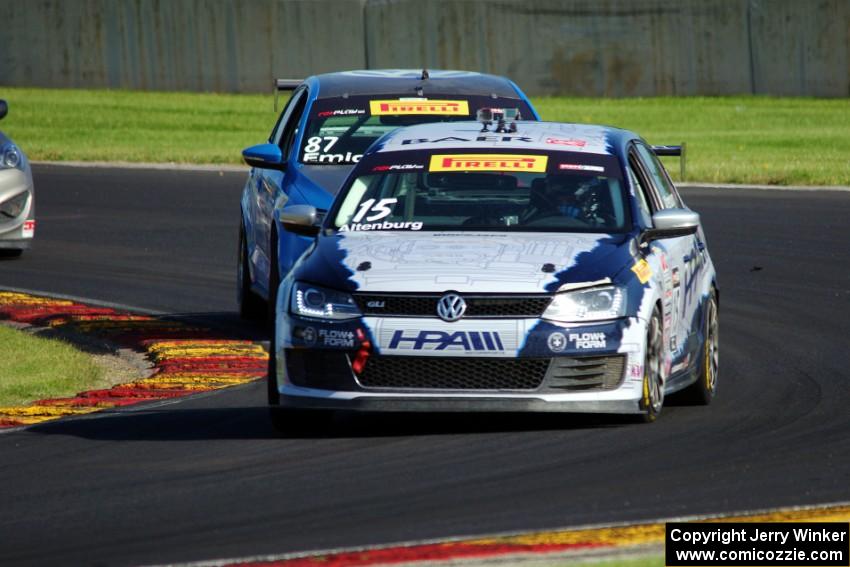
(17, 197)
(517, 266)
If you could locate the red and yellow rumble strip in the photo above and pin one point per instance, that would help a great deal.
(186, 360)
(537, 543)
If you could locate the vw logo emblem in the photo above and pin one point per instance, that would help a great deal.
(451, 307)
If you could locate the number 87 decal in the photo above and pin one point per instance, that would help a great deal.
(314, 144)
(381, 209)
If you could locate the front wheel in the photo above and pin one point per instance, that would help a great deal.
(702, 391)
(653, 385)
(274, 281)
(250, 305)
(272, 393)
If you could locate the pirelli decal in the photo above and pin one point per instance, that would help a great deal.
(420, 107)
(488, 162)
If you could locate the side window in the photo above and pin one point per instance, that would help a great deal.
(274, 138)
(290, 131)
(643, 200)
(659, 177)
(280, 129)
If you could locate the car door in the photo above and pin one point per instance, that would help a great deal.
(271, 185)
(676, 258)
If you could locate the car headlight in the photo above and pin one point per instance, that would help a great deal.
(11, 157)
(322, 303)
(594, 304)
(15, 206)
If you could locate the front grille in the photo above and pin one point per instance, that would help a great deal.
(586, 373)
(432, 373)
(522, 306)
(397, 305)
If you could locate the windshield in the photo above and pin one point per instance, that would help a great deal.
(339, 130)
(554, 192)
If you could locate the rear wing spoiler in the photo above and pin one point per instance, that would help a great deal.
(674, 151)
(668, 150)
(284, 85)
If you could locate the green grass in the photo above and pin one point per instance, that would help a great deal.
(33, 368)
(103, 125)
(730, 139)
(767, 140)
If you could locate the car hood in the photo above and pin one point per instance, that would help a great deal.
(495, 262)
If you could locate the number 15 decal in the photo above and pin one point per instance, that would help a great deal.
(381, 209)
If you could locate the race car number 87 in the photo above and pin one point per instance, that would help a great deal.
(314, 144)
(381, 209)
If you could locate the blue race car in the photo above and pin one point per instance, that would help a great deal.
(527, 266)
(327, 125)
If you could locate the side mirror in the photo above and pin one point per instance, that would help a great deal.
(4, 109)
(265, 156)
(299, 219)
(671, 223)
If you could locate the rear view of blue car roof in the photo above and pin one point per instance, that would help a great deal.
(386, 81)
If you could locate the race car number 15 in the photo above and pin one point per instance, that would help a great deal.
(381, 209)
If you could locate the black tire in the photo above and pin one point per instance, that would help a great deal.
(653, 389)
(11, 252)
(273, 396)
(702, 391)
(274, 281)
(251, 306)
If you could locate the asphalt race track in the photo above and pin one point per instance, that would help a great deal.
(204, 478)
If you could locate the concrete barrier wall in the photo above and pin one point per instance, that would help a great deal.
(205, 45)
(578, 47)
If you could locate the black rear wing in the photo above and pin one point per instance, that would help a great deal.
(674, 151)
(284, 85)
(668, 150)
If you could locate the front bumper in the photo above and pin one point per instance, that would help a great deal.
(316, 361)
(308, 398)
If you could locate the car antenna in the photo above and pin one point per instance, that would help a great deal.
(424, 77)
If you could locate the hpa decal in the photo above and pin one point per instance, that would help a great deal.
(488, 162)
(469, 341)
(419, 107)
